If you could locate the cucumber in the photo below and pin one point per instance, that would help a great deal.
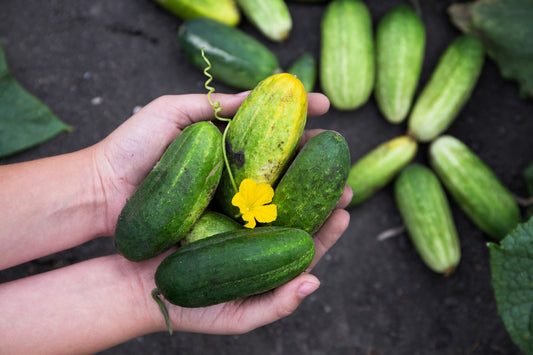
(378, 167)
(475, 187)
(304, 68)
(347, 66)
(225, 11)
(426, 213)
(173, 195)
(400, 44)
(314, 183)
(209, 224)
(448, 89)
(238, 60)
(272, 18)
(263, 136)
(234, 264)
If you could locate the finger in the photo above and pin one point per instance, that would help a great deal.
(318, 104)
(346, 197)
(308, 134)
(329, 233)
(257, 311)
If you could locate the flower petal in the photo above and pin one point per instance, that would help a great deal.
(265, 214)
(247, 189)
(238, 200)
(263, 194)
(249, 217)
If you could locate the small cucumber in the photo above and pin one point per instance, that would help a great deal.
(347, 66)
(263, 136)
(234, 264)
(209, 224)
(304, 68)
(378, 167)
(272, 18)
(474, 186)
(426, 213)
(238, 60)
(225, 11)
(173, 195)
(313, 184)
(400, 44)
(448, 89)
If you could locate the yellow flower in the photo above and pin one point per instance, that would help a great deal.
(253, 201)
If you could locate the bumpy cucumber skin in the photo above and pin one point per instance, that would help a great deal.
(426, 213)
(234, 264)
(272, 18)
(209, 224)
(378, 167)
(314, 183)
(173, 195)
(305, 68)
(225, 11)
(347, 67)
(238, 60)
(264, 135)
(400, 44)
(475, 187)
(448, 89)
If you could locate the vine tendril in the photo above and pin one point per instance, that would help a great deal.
(217, 108)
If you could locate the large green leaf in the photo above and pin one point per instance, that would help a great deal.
(24, 120)
(506, 29)
(512, 278)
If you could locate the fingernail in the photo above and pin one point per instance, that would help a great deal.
(307, 288)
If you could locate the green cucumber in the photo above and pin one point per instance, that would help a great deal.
(173, 195)
(475, 187)
(209, 224)
(448, 89)
(378, 167)
(238, 60)
(234, 264)
(426, 213)
(313, 184)
(272, 18)
(263, 136)
(347, 67)
(304, 68)
(225, 11)
(400, 43)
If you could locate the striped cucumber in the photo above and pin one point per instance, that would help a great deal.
(347, 67)
(400, 44)
(225, 11)
(378, 167)
(448, 89)
(313, 184)
(209, 224)
(263, 136)
(238, 59)
(304, 68)
(272, 18)
(422, 203)
(173, 195)
(475, 187)
(234, 264)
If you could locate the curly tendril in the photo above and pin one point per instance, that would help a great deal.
(217, 108)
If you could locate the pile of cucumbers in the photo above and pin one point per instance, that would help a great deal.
(185, 202)
(355, 63)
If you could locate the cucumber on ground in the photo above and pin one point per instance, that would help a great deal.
(272, 18)
(173, 195)
(400, 44)
(263, 136)
(347, 67)
(225, 11)
(475, 187)
(422, 203)
(238, 60)
(314, 183)
(234, 264)
(305, 68)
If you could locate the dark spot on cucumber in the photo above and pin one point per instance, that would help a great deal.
(236, 158)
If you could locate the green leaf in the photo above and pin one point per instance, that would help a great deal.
(24, 120)
(506, 29)
(512, 278)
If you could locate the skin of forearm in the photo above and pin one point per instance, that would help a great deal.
(49, 205)
(82, 308)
